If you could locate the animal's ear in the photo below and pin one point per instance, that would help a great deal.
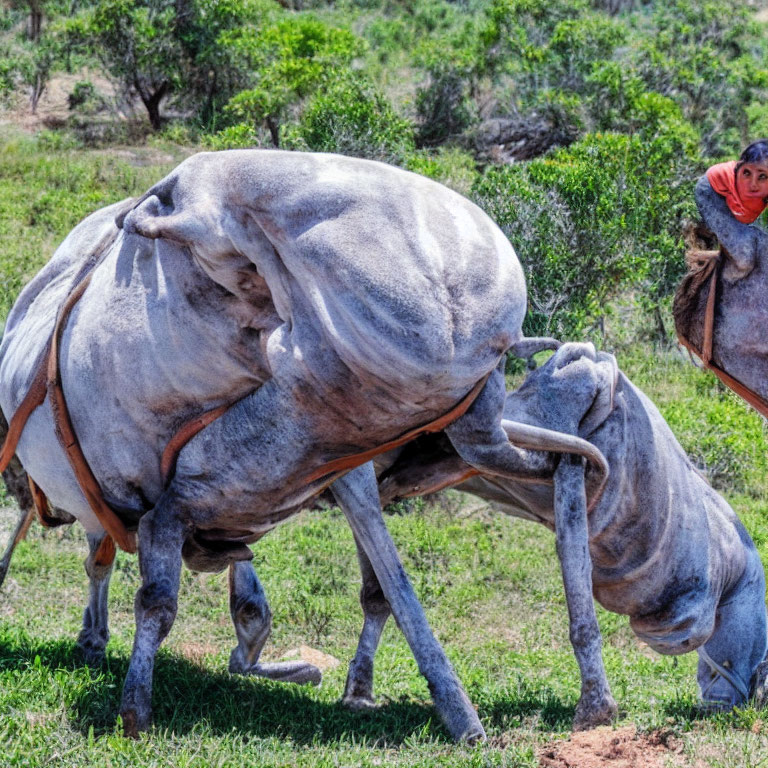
(148, 218)
(162, 213)
(602, 405)
(130, 206)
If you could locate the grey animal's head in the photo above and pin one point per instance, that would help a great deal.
(572, 392)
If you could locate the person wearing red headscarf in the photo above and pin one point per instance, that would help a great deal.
(731, 196)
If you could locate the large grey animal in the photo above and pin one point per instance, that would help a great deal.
(659, 545)
(739, 346)
(663, 547)
(336, 304)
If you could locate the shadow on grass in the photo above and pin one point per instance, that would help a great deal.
(689, 709)
(509, 709)
(186, 696)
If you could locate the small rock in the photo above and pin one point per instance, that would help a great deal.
(323, 661)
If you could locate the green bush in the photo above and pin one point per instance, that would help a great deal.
(710, 58)
(240, 136)
(351, 117)
(84, 98)
(290, 60)
(594, 220)
(445, 107)
(452, 166)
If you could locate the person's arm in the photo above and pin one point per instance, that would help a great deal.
(742, 241)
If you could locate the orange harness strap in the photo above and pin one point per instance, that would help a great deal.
(183, 436)
(42, 507)
(34, 397)
(759, 403)
(336, 467)
(346, 463)
(111, 523)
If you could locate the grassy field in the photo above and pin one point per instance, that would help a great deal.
(490, 585)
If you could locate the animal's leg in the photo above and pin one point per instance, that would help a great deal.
(357, 493)
(731, 655)
(22, 526)
(253, 622)
(94, 635)
(161, 536)
(515, 450)
(479, 439)
(596, 705)
(358, 692)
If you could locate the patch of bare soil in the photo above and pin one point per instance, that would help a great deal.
(608, 747)
(53, 107)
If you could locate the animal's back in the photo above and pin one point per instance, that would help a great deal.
(405, 279)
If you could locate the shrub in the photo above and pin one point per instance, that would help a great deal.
(451, 166)
(444, 107)
(290, 60)
(240, 136)
(592, 220)
(709, 57)
(84, 98)
(351, 117)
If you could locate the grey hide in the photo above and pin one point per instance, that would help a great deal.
(336, 302)
(741, 306)
(663, 547)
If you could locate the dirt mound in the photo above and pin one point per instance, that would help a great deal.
(608, 747)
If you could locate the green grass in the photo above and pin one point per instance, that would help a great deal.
(491, 588)
(47, 185)
(490, 585)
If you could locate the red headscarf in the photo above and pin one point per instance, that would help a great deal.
(722, 177)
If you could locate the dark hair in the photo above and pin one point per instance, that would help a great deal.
(756, 152)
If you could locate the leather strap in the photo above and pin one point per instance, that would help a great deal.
(105, 554)
(709, 316)
(345, 463)
(21, 533)
(331, 470)
(42, 507)
(183, 436)
(111, 523)
(34, 397)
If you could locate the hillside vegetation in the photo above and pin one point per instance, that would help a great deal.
(581, 128)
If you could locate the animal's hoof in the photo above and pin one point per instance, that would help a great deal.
(359, 703)
(92, 648)
(298, 672)
(133, 723)
(761, 685)
(93, 657)
(593, 713)
(459, 716)
(474, 736)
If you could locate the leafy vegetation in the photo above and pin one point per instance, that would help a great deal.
(581, 127)
(615, 107)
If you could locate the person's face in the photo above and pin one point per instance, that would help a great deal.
(752, 180)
